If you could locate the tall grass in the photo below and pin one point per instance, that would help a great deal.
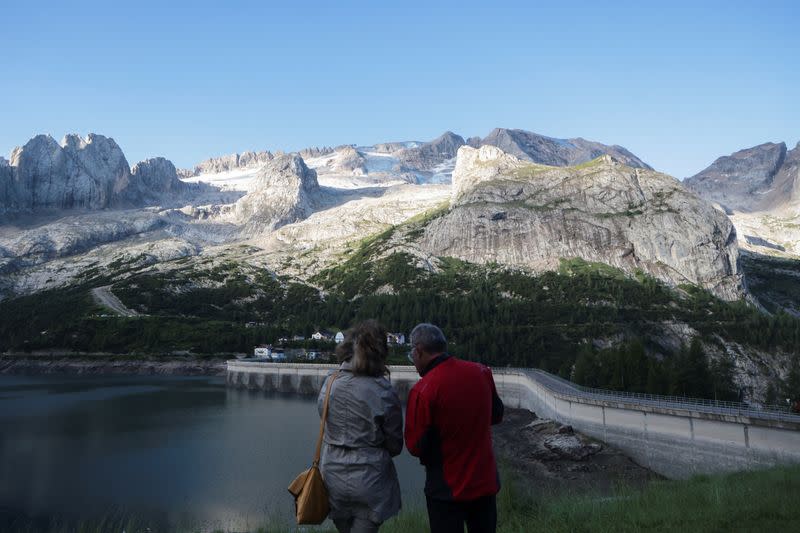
(766, 500)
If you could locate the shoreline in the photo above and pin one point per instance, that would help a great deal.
(540, 452)
(90, 364)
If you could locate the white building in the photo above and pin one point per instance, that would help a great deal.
(263, 351)
(395, 338)
(339, 337)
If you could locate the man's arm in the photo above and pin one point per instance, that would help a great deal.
(418, 424)
(497, 404)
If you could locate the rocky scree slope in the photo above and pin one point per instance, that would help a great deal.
(517, 213)
(761, 178)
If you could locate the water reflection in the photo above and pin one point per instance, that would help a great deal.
(188, 449)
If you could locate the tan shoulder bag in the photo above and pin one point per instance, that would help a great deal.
(308, 489)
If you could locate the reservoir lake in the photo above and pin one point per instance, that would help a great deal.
(187, 451)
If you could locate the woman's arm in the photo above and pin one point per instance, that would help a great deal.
(393, 423)
(321, 396)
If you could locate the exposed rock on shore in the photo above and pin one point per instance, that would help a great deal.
(551, 456)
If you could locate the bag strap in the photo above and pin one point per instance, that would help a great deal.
(324, 417)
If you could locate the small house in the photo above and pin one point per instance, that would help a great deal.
(263, 351)
(322, 335)
(395, 338)
(339, 337)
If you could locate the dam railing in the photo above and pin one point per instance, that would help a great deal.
(674, 436)
(720, 407)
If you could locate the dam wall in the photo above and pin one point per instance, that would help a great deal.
(674, 438)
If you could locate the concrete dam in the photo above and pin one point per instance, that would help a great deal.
(672, 436)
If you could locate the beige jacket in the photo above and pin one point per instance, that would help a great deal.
(363, 432)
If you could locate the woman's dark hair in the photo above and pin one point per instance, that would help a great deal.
(365, 346)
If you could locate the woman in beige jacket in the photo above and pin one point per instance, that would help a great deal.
(364, 430)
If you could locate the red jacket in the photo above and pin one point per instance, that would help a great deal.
(448, 426)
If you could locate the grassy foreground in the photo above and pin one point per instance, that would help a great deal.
(766, 500)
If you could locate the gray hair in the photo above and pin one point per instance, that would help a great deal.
(430, 337)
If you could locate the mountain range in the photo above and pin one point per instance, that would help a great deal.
(75, 213)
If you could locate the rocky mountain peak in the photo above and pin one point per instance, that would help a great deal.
(430, 154)
(155, 176)
(81, 173)
(520, 213)
(42, 144)
(474, 165)
(447, 144)
(73, 141)
(346, 159)
(537, 148)
(474, 142)
(760, 178)
(315, 151)
(285, 191)
(225, 163)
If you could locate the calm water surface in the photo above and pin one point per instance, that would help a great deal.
(189, 450)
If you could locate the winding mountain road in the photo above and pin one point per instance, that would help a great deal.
(106, 298)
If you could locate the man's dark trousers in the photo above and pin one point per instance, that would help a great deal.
(449, 517)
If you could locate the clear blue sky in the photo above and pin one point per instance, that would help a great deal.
(678, 83)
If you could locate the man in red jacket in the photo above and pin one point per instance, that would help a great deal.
(448, 426)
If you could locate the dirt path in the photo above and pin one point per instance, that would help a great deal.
(104, 297)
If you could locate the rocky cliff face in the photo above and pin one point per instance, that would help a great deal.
(388, 148)
(315, 151)
(285, 191)
(514, 212)
(761, 178)
(428, 155)
(8, 189)
(225, 163)
(152, 180)
(537, 148)
(78, 173)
